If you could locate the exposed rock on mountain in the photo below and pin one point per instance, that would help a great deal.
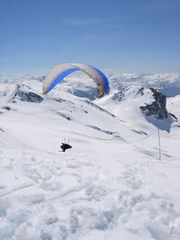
(18, 91)
(29, 97)
(156, 108)
(6, 108)
(172, 115)
(118, 96)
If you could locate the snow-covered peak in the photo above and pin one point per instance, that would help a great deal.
(138, 104)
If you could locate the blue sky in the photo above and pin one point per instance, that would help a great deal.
(119, 35)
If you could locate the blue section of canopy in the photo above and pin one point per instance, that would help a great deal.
(104, 78)
(60, 77)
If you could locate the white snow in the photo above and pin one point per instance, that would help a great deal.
(110, 185)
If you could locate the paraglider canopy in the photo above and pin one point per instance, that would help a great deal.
(58, 73)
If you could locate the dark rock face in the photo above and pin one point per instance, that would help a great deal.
(6, 108)
(172, 115)
(141, 91)
(158, 107)
(118, 96)
(22, 95)
(41, 78)
(30, 97)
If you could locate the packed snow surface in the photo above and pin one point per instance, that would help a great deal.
(110, 185)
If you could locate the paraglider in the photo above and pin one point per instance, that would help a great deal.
(65, 146)
(58, 73)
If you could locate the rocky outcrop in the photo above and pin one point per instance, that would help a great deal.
(1, 130)
(6, 108)
(173, 116)
(41, 78)
(141, 91)
(118, 96)
(156, 108)
(20, 91)
(29, 97)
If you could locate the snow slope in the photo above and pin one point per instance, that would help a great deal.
(110, 185)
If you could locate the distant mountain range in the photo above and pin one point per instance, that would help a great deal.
(83, 86)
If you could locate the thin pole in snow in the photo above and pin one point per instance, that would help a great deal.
(159, 145)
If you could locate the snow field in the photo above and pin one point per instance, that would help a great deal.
(110, 185)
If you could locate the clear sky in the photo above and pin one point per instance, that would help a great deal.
(122, 35)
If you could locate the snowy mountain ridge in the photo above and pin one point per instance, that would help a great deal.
(83, 86)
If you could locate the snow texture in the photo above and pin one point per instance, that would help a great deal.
(110, 185)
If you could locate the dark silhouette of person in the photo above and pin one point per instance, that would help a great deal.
(65, 146)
